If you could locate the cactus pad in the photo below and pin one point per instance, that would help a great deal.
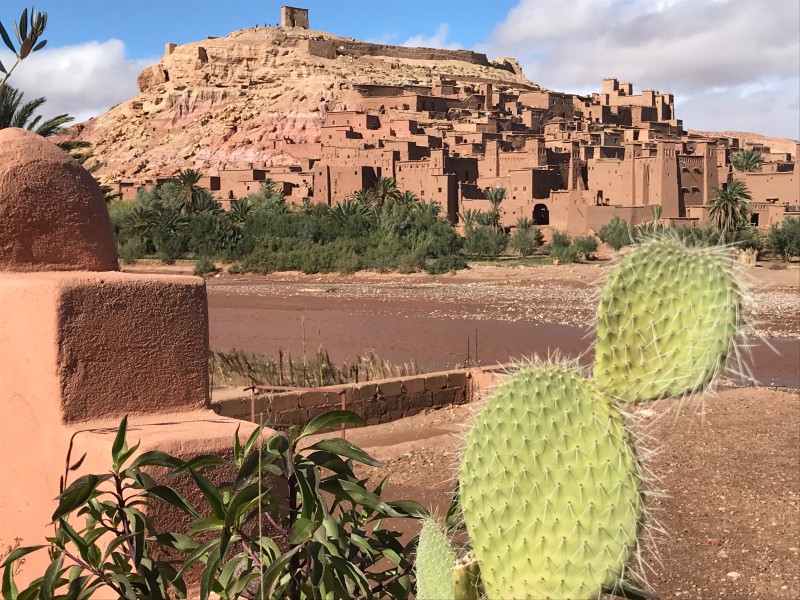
(667, 321)
(435, 562)
(550, 488)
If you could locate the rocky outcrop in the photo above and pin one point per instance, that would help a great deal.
(243, 99)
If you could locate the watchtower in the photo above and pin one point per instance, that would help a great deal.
(294, 17)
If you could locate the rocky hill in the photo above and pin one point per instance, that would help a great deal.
(222, 102)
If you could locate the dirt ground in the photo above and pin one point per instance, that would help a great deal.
(728, 467)
(727, 521)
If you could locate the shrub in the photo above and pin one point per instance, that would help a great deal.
(485, 241)
(564, 254)
(204, 266)
(784, 240)
(616, 233)
(132, 250)
(585, 246)
(446, 264)
(560, 240)
(526, 238)
(323, 539)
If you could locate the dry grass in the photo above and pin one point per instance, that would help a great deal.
(239, 368)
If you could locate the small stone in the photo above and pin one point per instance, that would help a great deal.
(734, 575)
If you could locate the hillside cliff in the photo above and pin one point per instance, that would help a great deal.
(223, 102)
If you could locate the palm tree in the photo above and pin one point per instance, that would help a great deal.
(495, 196)
(15, 113)
(239, 211)
(189, 194)
(729, 208)
(407, 198)
(362, 197)
(749, 161)
(385, 190)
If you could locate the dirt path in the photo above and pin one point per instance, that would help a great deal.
(730, 469)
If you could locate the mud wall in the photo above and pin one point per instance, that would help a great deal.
(375, 401)
(330, 48)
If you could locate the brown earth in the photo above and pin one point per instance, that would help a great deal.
(728, 523)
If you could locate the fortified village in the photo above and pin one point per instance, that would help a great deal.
(325, 116)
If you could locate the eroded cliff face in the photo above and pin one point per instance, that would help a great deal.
(225, 102)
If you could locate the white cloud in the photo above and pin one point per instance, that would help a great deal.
(728, 62)
(437, 40)
(83, 80)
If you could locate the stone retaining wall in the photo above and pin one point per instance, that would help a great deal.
(376, 401)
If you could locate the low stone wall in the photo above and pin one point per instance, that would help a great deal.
(375, 401)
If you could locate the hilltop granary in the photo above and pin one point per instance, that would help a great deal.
(568, 162)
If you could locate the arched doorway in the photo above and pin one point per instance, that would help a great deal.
(541, 215)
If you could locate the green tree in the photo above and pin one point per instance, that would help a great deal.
(749, 161)
(729, 209)
(784, 239)
(16, 113)
(526, 238)
(495, 196)
(385, 190)
(189, 192)
(616, 233)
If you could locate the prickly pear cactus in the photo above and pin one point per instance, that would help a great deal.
(667, 321)
(550, 488)
(435, 562)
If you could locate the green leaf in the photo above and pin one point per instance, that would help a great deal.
(177, 541)
(301, 531)
(119, 441)
(51, 577)
(116, 543)
(251, 441)
(23, 25)
(344, 448)
(8, 588)
(237, 446)
(332, 462)
(275, 570)
(207, 524)
(239, 500)
(39, 46)
(211, 494)
(410, 508)
(356, 494)
(453, 520)
(7, 40)
(208, 576)
(2, 68)
(200, 462)
(18, 553)
(198, 554)
(156, 458)
(173, 497)
(332, 419)
(78, 493)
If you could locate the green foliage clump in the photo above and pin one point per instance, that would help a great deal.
(566, 250)
(526, 238)
(204, 266)
(379, 229)
(748, 160)
(784, 239)
(273, 522)
(616, 233)
(132, 250)
(482, 239)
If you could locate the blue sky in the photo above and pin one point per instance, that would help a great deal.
(732, 64)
